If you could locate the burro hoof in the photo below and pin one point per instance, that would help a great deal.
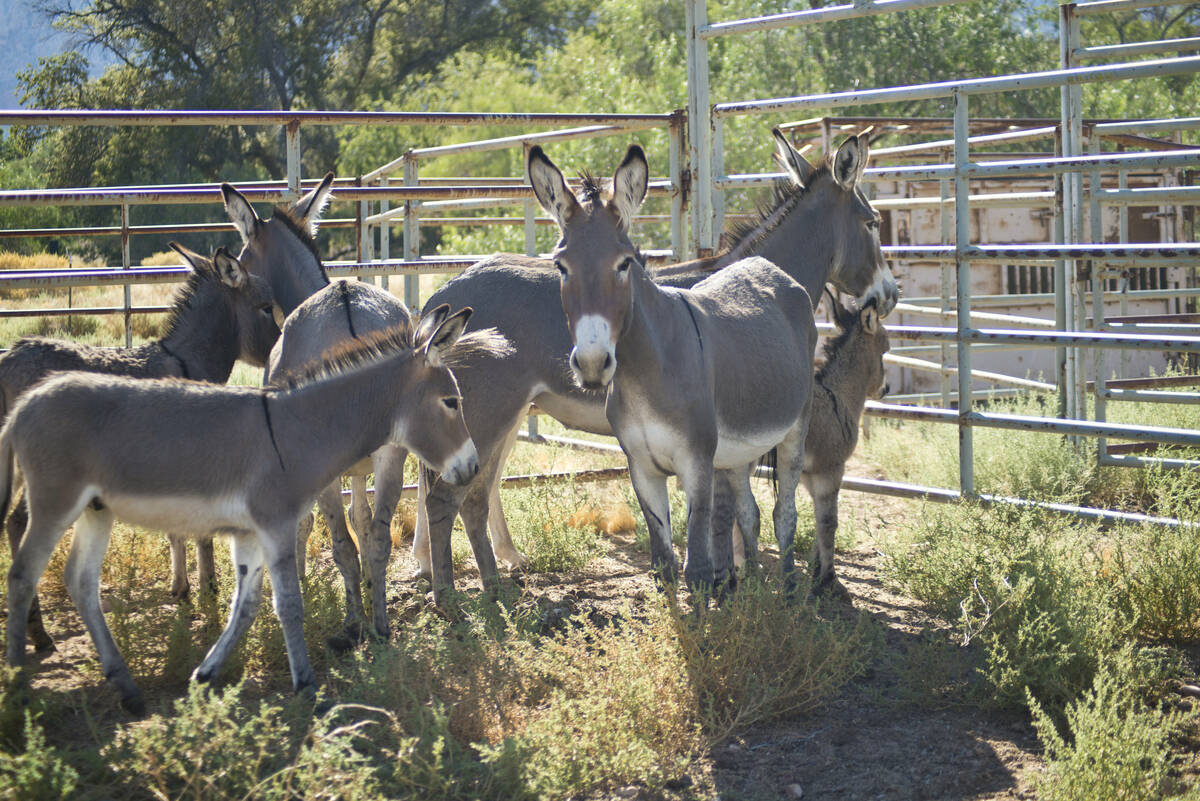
(134, 705)
(307, 686)
(343, 642)
(829, 587)
(43, 644)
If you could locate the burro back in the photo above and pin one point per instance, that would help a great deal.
(203, 459)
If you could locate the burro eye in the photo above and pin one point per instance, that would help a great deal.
(451, 403)
(562, 270)
(624, 266)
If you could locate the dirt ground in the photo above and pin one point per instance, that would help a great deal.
(881, 739)
(878, 740)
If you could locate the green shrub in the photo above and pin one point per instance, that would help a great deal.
(37, 771)
(212, 745)
(614, 705)
(216, 745)
(1154, 570)
(1116, 746)
(545, 530)
(759, 657)
(1022, 585)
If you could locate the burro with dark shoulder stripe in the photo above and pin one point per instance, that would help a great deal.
(200, 459)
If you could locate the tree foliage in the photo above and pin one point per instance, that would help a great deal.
(510, 55)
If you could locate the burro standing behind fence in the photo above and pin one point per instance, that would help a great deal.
(696, 379)
(189, 457)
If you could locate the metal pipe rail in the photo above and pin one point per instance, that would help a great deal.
(143, 230)
(1020, 422)
(509, 196)
(135, 276)
(941, 495)
(1109, 6)
(1045, 339)
(945, 369)
(1048, 79)
(503, 143)
(133, 197)
(1014, 319)
(1140, 48)
(130, 117)
(791, 19)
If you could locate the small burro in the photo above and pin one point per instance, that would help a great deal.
(189, 457)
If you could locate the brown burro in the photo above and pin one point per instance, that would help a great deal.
(850, 371)
(203, 459)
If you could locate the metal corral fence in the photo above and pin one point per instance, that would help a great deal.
(697, 183)
(437, 195)
(1079, 258)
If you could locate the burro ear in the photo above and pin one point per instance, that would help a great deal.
(849, 163)
(240, 212)
(193, 258)
(864, 146)
(549, 187)
(869, 316)
(630, 182)
(230, 270)
(441, 332)
(308, 209)
(790, 159)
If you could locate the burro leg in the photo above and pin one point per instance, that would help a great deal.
(789, 466)
(206, 567)
(18, 522)
(180, 586)
(474, 512)
(824, 492)
(650, 486)
(389, 485)
(280, 548)
(697, 479)
(92, 532)
(246, 553)
(747, 515)
(420, 546)
(345, 556)
(45, 528)
(722, 531)
(502, 541)
(442, 505)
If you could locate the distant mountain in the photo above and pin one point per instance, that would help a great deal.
(25, 36)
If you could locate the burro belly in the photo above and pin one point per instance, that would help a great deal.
(736, 449)
(182, 514)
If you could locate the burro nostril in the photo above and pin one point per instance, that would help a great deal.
(608, 360)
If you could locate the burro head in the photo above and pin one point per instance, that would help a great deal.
(251, 306)
(594, 257)
(852, 226)
(280, 249)
(430, 423)
(865, 341)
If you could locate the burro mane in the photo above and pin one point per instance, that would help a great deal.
(397, 341)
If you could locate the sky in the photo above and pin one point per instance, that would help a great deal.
(25, 36)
